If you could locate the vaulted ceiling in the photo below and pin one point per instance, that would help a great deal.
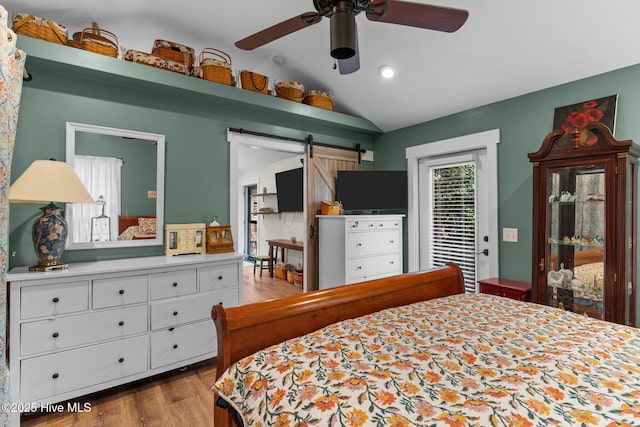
(505, 49)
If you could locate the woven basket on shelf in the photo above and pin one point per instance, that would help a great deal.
(175, 52)
(319, 99)
(293, 91)
(155, 61)
(39, 28)
(254, 82)
(215, 66)
(96, 40)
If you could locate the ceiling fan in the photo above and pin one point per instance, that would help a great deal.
(343, 32)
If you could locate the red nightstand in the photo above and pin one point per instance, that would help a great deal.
(506, 288)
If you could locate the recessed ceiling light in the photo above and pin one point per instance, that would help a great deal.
(386, 71)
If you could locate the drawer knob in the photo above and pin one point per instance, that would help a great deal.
(54, 376)
(358, 245)
(219, 277)
(121, 291)
(121, 360)
(56, 299)
(175, 313)
(121, 323)
(359, 267)
(391, 262)
(175, 346)
(391, 241)
(55, 335)
(174, 284)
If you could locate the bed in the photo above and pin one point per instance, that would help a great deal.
(416, 350)
(135, 227)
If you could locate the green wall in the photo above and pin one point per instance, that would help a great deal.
(523, 122)
(197, 151)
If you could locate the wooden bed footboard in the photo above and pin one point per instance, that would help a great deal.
(245, 329)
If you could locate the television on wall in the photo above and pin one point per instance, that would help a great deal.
(372, 190)
(290, 191)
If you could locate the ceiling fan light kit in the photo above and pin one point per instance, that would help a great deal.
(343, 31)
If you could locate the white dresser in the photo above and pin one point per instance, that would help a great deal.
(105, 323)
(355, 248)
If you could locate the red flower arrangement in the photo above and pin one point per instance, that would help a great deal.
(578, 116)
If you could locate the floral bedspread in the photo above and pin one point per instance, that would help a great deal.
(463, 360)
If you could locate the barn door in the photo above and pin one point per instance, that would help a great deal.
(323, 164)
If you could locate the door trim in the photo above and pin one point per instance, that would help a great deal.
(488, 140)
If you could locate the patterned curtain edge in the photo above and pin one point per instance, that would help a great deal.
(12, 63)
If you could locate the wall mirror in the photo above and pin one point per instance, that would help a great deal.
(124, 172)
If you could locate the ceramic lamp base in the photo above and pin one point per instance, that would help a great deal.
(49, 234)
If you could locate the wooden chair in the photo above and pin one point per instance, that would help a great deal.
(261, 261)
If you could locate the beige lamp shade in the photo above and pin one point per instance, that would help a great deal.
(49, 181)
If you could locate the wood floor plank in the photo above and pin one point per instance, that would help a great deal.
(181, 398)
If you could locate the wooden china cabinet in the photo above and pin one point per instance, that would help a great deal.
(584, 223)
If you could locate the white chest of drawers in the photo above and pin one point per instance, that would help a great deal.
(355, 248)
(106, 323)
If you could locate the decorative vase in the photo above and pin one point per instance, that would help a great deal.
(49, 234)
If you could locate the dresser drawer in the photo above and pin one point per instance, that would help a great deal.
(366, 268)
(113, 292)
(174, 312)
(365, 244)
(70, 370)
(360, 225)
(172, 284)
(69, 331)
(218, 277)
(183, 342)
(391, 224)
(51, 300)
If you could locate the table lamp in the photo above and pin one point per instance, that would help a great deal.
(49, 181)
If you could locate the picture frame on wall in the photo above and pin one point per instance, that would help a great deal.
(570, 118)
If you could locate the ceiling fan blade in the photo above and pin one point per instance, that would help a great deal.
(279, 30)
(350, 65)
(419, 15)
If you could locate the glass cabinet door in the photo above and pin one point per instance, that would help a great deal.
(575, 230)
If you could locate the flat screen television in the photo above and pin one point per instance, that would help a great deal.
(372, 190)
(289, 189)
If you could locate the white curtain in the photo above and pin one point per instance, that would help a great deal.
(102, 177)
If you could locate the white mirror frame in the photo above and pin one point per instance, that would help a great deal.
(72, 128)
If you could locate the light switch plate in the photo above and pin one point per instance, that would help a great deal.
(510, 235)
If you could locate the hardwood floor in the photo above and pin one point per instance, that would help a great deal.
(174, 399)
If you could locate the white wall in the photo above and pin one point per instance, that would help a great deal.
(280, 226)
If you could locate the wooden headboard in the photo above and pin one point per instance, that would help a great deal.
(126, 221)
(246, 329)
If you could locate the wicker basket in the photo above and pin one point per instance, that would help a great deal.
(254, 82)
(293, 91)
(174, 52)
(215, 66)
(155, 61)
(39, 28)
(319, 99)
(280, 271)
(96, 40)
